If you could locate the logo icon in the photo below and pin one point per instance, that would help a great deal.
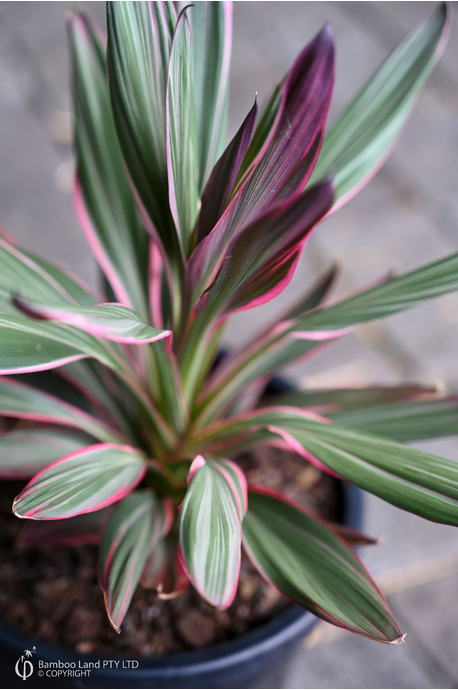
(24, 667)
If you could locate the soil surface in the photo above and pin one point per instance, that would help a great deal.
(54, 594)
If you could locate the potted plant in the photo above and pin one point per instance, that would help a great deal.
(188, 231)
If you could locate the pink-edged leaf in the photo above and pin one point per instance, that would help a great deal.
(31, 345)
(301, 337)
(24, 452)
(198, 462)
(138, 53)
(210, 529)
(163, 571)
(82, 529)
(22, 401)
(285, 161)
(392, 296)
(365, 134)
(219, 187)
(109, 321)
(103, 198)
(82, 482)
(211, 40)
(308, 562)
(36, 278)
(182, 163)
(334, 400)
(156, 275)
(404, 421)
(170, 399)
(311, 298)
(259, 262)
(129, 536)
(411, 479)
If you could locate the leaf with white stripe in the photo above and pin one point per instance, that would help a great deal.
(411, 479)
(21, 274)
(87, 480)
(210, 529)
(404, 421)
(31, 345)
(109, 321)
(308, 562)
(404, 292)
(182, 163)
(138, 53)
(364, 135)
(211, 38)
(103, 198)
(132, 531)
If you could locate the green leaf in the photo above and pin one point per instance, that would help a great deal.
(182, 163)
(88, 480)
(290, 340)
(108, 321)
(411, 479)
(361, 139)
(169, 399)
(30, 345)
(211, 38)
(314, 297)
(113, 227)
(335, 400)
(22, 274)
(132, 531)
(24, 452)
(313, 567)
(139, 44)
(414, 480)
(404, 421)
(21, 401)
(210, 529)
(406, 291)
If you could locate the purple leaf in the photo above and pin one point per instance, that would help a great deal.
(219, 187)
(260, 261)
(286, 161)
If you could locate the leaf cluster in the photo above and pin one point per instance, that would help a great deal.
(135, 427)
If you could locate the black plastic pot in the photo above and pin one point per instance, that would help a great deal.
(256, 659)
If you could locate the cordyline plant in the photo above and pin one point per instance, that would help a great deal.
(139, 430)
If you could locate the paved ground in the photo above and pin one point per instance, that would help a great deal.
(407, 216)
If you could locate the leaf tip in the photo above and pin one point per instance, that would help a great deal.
(399, 640)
